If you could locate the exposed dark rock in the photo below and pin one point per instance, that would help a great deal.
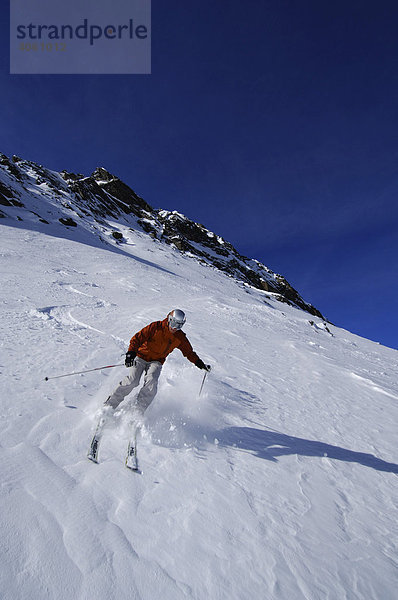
(7, 196)
(148, 227)
(68, 222)
(10, 167)
(124, 197)
(101, 174)
(70, 176)
(6, 191)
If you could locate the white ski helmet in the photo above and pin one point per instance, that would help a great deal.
(176, 319)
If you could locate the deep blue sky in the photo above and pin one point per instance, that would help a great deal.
(272, 122)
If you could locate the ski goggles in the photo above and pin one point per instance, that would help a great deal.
(176, 323)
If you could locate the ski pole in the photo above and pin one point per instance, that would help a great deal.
(87, 371)
(203, 380)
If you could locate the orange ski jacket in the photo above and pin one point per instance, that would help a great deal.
(156, 341)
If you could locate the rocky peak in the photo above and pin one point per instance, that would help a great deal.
(101, 175)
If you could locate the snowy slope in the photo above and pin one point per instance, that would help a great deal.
(278, 483)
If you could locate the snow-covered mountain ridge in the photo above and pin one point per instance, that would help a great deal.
(98, 202)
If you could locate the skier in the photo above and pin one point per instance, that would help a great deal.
(146, 354)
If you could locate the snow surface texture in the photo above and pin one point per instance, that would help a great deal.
(278, 483)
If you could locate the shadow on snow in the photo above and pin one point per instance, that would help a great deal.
(266, 444)
(271, 444)
(80, 236)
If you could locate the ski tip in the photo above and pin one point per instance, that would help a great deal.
(92, 458)
(134, 469)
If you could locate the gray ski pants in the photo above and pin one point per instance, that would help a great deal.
(148, 391)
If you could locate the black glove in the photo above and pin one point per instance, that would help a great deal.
(130, 356)
(201, 365)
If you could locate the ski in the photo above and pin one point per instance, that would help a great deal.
(94, 446)
(93, 452)
(131, 458)
(131, 461)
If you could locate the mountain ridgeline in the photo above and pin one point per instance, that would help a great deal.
(40, 197)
